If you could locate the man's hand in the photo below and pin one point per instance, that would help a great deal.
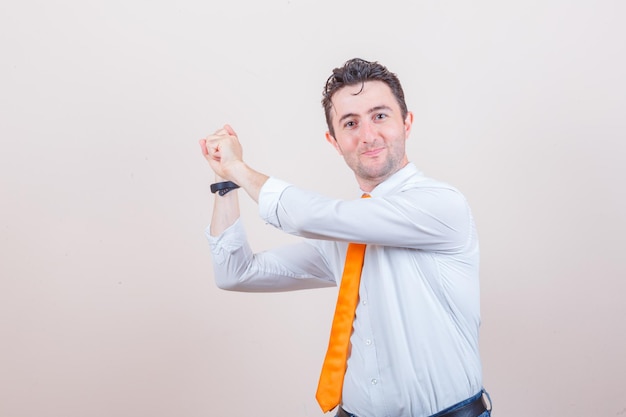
(223, 152)
(225, 156)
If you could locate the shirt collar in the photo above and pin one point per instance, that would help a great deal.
(396, 180)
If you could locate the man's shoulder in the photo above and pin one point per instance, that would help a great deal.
(419, 180)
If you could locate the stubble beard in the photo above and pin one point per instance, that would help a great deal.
(377, 173)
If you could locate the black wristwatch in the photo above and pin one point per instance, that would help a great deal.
(223, 187)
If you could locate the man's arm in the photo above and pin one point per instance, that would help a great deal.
(225, 156)
(429, 217)
(225, 211)
(237, 268)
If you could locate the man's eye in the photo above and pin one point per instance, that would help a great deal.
(350, 124)
(380, 116)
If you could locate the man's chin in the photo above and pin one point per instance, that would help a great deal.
(376, 175)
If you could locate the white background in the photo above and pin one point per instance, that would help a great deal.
(107, 301)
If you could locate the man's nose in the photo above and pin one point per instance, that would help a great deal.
(368, 132)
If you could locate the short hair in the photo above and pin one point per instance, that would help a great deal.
(358, 71)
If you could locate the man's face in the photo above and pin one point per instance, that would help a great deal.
(370, 133)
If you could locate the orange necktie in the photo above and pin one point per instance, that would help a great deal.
(334, 368)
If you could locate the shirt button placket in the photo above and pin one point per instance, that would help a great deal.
(370, 370)
(370, 344)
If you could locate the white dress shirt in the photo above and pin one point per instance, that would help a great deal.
(415, 340)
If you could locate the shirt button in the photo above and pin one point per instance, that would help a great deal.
(364, 302)
(374, 381)
(368, 342)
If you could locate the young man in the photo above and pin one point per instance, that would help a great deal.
(414, 336)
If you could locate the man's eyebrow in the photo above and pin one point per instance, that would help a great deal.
(346, 116)
(370, 111)
(378, 108)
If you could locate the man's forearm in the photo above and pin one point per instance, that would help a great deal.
(225, 212)
(226, 207)
(247, 178)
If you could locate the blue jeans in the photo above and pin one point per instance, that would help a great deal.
(487, 413)
(461, 404)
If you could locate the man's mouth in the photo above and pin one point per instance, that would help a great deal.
(373, 152)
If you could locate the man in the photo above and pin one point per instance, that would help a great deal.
(414, 341)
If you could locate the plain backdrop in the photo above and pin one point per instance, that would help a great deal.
(107, 300)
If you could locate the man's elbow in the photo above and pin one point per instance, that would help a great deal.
(226, 284)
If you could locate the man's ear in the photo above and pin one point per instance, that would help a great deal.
(331, 139)
(408, 122)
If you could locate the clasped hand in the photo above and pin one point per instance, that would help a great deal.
(223, 151)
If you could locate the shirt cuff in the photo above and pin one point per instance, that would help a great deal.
(227, 242)
(269, 197)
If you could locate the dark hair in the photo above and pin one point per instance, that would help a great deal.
(358, 71)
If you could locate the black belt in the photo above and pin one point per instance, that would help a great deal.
(473, 409)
